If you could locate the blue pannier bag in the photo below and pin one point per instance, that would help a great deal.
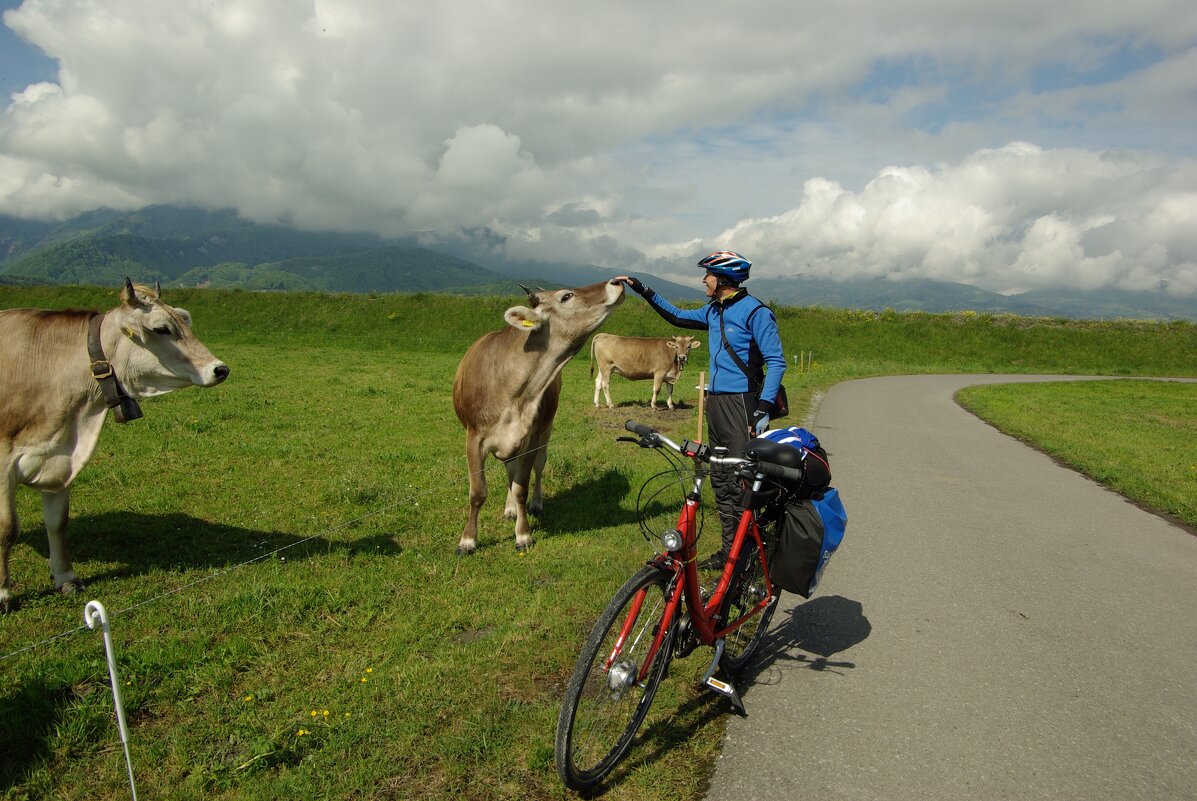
(811, 524)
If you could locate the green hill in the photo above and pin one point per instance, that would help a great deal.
(217, 248)
(386, 269)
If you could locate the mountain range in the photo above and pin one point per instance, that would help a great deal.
(182, 246)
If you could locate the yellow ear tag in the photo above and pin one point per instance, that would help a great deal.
(127, 331)
(527, 323)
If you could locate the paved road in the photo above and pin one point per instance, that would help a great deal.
(995, 626)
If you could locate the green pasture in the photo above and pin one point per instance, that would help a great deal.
(276, 555)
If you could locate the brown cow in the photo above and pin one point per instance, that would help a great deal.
(60, 372)
(507, 388)
(638, 358)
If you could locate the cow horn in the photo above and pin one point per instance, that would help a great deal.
(158, 289)
(533, 301)
(130, 291)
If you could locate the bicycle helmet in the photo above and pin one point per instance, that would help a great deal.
(727, 266)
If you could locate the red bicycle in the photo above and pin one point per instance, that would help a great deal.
(630, 647)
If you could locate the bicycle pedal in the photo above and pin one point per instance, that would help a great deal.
(722, 687)
(728, 691)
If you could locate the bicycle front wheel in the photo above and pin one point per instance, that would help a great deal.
(614, 681)
(748, 590)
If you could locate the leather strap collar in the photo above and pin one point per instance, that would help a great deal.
(124, 407)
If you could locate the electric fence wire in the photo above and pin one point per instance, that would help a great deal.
(225, 571)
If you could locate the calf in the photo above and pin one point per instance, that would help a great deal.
(60, 372)
(506, 392)
(639, 358)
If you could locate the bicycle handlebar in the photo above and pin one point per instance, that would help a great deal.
(639, 428)
(772, 470)
(702, 452)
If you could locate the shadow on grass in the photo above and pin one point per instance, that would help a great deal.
(659, 740)
(586, 506)
(31, 713)
(130, 545)
(662, 405)
(141, 544)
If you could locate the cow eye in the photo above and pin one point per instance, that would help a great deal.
(162, 330)
(566, 296)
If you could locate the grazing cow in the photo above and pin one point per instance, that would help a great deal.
(638, 358)
(507, 388)
(60, 372)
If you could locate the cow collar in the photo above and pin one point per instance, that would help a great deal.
(124, 407)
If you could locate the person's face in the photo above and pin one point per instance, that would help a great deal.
(710, 283)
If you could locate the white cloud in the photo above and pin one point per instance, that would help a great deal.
(1008, 219)
(869, 138)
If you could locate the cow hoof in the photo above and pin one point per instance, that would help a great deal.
(72, 587)
(9, 605)
(464, 551)
(523, 548)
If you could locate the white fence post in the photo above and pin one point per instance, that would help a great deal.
(94, 611)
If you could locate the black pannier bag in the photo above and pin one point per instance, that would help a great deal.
(810, 525)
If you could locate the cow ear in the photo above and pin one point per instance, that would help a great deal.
(186, 315)
(521, 318)
(672, 343)
(696, 344)
(129, 296)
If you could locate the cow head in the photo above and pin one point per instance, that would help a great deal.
(568, 315)
(681, 346)
(158, 353)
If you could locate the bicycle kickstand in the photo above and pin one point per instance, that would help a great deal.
(721, 687)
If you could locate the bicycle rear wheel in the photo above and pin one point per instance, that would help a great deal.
(606, 701)
(748, 590)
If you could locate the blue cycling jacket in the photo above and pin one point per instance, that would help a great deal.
(751, 333)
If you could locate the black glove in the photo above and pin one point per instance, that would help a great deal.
(635, 285)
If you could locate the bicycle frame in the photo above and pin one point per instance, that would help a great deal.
(704, 613)
(645, 624)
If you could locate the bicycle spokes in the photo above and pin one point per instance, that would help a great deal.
(614, 681)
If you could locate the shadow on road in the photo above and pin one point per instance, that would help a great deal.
(821, 628)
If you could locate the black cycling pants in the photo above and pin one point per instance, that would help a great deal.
(727, 426)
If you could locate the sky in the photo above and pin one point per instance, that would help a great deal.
(1013, 146)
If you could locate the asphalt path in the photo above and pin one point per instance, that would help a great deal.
(995, 626)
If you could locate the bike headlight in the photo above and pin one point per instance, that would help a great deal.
(671, 540)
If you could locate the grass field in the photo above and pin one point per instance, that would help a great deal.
(277, 556)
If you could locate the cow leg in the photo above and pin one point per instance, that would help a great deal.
(669, 394)
(56, 509)
(598, 387)
(475, 458)
(606, 376)
(10, 527)
(519, 471)
(656, 390)
(536, 503)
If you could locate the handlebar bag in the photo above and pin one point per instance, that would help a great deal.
(798, 448)
(809, 531)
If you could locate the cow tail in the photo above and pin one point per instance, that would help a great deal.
(592, 357)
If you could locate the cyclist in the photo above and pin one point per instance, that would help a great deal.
(739, 401)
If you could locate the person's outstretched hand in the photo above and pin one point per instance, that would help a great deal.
(633, 283)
